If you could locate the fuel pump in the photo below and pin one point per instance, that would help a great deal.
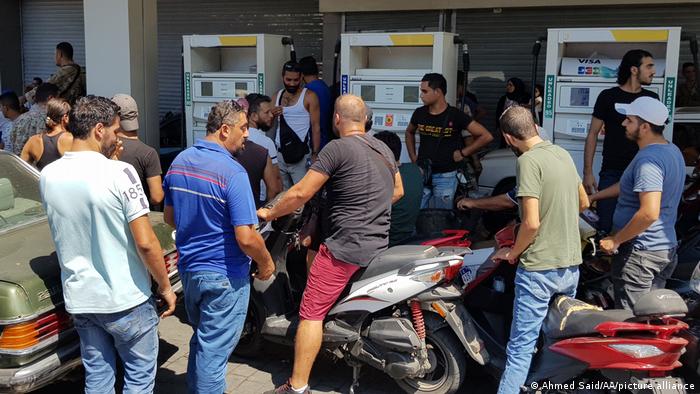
(385, 69)
(220, 67)
(583, 62)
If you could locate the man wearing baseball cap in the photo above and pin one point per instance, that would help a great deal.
(144, 158)
(644, 239)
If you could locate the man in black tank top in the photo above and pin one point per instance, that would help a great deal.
(296, 120)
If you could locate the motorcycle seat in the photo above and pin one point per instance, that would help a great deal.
(568, 317)
(397, 257)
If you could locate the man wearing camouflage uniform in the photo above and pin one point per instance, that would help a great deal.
(69, 77)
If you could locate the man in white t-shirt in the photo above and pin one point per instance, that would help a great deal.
(260, 120)
(98, 215)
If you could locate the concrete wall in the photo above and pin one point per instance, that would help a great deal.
(121, 56)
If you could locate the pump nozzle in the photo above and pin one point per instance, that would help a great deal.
(292, 52)
(535, 55)
(536, 48)
(465, 57)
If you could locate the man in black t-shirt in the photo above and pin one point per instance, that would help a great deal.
(443, 131)
(143, 157)
(636, 70)
(258, 164)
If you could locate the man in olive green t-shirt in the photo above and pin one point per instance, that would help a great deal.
(548, 244)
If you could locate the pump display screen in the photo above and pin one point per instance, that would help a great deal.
(580, 97)
(410, 94)
(368, 92)
(207, 89)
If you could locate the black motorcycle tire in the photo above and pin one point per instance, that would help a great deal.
(251, 340)
(451, 360)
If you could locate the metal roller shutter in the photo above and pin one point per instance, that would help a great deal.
(501, 43)
(297, 18)
(45, 23)
(392, 21)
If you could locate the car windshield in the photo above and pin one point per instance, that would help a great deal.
(20, 202)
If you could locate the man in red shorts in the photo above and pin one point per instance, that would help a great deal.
(363, 182)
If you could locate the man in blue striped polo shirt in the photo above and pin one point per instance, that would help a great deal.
(209, 201)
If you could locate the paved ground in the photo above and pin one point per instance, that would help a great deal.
(254, 376)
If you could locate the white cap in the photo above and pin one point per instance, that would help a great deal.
(647, 108)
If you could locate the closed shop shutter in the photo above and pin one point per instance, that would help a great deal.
(45, 23)
(392, 21)
(299, 19)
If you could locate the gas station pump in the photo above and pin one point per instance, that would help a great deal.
(220, 67)
(583, 62)
(385, 69)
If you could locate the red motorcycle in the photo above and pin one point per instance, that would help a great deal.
(582, 348)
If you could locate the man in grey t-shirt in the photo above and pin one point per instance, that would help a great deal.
(359, 170)
(648, 194)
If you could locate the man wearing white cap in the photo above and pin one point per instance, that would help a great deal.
(648, 194)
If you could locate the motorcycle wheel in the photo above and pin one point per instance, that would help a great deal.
(449, 369)
(251, 341)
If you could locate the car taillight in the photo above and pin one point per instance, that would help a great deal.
(21, 337)
(171, 262)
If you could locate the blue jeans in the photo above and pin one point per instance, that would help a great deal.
(533, 291)
(442, 194)
(216, 307)
(133, 334)
(606, 208)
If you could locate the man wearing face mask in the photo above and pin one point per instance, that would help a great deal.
(299, 121)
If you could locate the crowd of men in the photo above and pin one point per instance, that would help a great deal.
(99, 182)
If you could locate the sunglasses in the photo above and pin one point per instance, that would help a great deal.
(291, 67)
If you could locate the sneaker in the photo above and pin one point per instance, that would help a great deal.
(286, 388)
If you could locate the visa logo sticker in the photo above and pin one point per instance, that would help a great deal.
(589, 61)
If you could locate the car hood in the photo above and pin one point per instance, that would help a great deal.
(30, 282)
